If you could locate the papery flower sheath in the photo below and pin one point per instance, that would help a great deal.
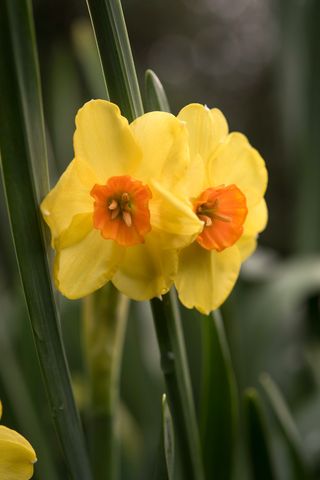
(226, 183)
(115, 213)
(17, 457)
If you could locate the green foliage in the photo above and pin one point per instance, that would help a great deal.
(156, 98)
(115, 54)
(22, 147)
(179, 390)
(219, 402)
(299, 467)
(258, 438)
(168, 438)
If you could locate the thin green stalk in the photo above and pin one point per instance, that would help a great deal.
(116, 57)
(22, 155)
(156, 98)
(168, 438)
(300, 469)
(105, 318)
(258, 437)
(164, 469)
(179, 391)
(219, 402)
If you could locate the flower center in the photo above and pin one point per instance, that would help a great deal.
(223, 210)
(121, 210)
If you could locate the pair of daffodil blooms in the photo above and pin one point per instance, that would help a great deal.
(17, 456)
(164, 200)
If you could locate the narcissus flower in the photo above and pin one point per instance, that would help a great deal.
(17, 456)
(226, 182)
(116, 214)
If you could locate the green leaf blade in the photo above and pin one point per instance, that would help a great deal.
(175, 369)
(168, 438)
(25, 59)
(115, 55)
(219, 404)
(299, 467)
(257, 436)
(156, 98)
(23, 160)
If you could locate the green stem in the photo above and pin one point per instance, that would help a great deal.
(179, 391)
(116, 57)
(105, 317)
(219, 402)
(258, 437)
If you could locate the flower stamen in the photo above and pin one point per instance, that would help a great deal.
(113, 205)
(207, 220)
(222, 218)
(127, 218)
(115, 213)
(121, 210)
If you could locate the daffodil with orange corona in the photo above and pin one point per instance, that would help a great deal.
(17, 457)
(116, 213)
(160, 201)
(226, 182)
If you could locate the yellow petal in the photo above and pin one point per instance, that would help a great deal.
(70, 197)
(162, 139)
(256, 220)
(78, 229)
(11, 436)
(86, 266)
(16, 456)
(236, 161)
(205, 278)
(195, 179)
(173, 216)
(220, 125)
(146, 270)
(206, 129)
(246, 246)
(103, 138)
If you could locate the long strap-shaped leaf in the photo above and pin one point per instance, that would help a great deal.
(23, 153)
(174, 366)
(219, 403)
(257, 437)
(115, 54)
(298, 464)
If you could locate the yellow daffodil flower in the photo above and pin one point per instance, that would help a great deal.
(115, 213)
(226, 182)
(17, 456)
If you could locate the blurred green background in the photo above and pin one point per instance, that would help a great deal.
(259, 62)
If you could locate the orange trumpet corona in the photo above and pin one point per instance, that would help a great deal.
(223, 210)
(121, 210)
